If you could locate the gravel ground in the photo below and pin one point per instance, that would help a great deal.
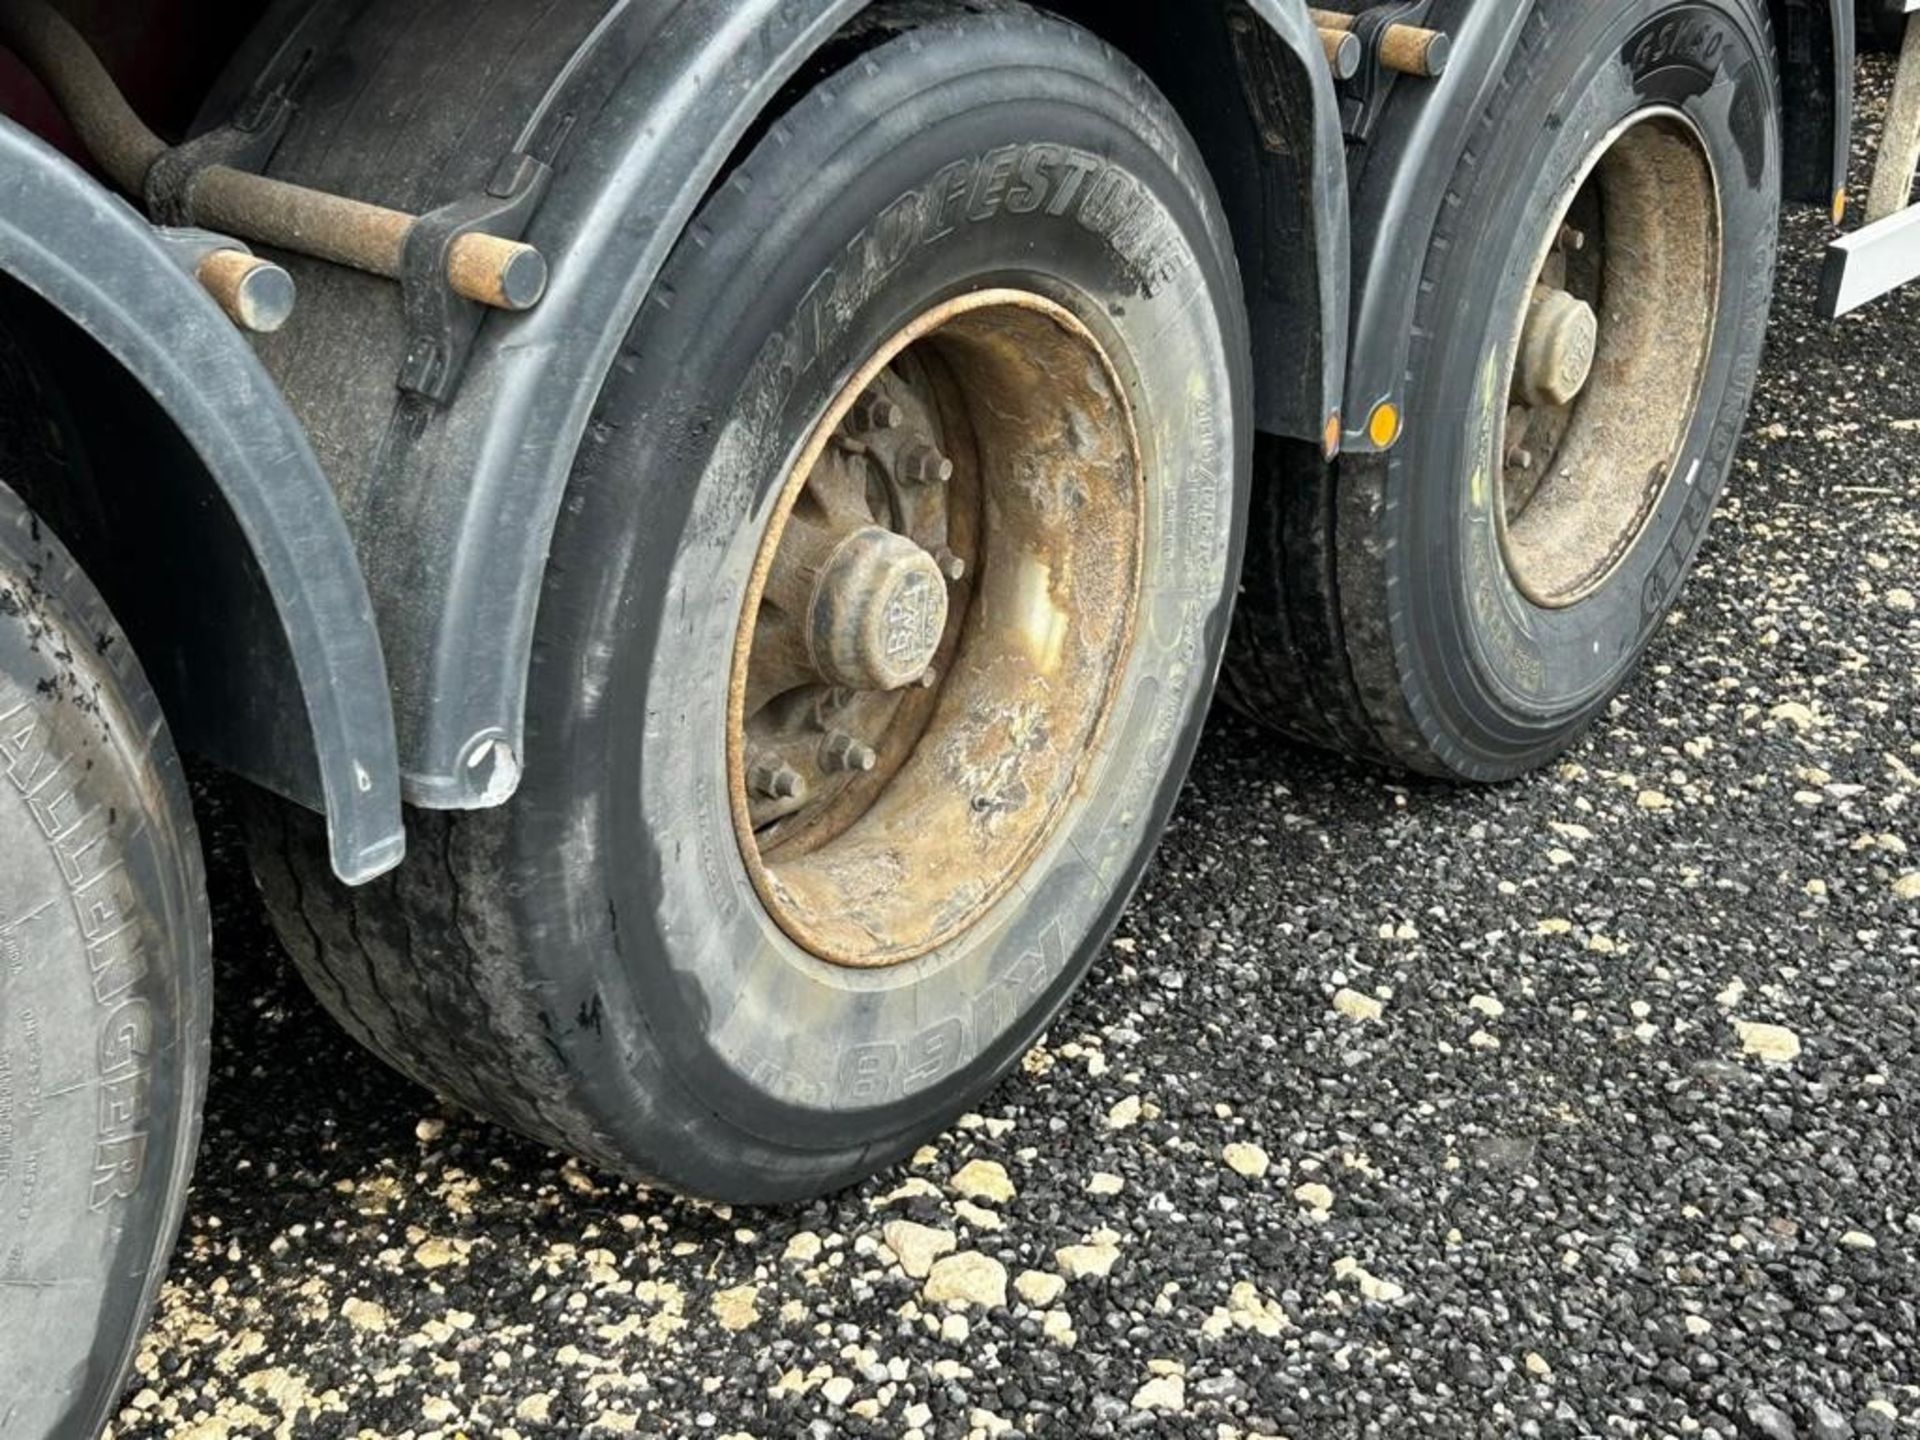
(1581, 1106)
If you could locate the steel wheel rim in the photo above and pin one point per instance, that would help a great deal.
(880, 824)
(1636, 242)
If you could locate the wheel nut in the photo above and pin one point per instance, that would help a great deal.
(774, 779)
(843, 752)
(924, 465)
(951, 565)
(873, 411)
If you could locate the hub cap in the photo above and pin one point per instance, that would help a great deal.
(1610, 352)
(935, 628)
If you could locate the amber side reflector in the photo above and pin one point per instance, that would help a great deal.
(1383, 426)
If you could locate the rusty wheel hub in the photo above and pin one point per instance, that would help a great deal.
(935, 629)
(1609, 355)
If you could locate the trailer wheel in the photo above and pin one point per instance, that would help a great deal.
(1584, 349)
(880, 626)
(105, 991)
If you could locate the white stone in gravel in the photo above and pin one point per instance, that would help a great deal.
(1124, 1114)
(1488, 1006)
(1246, 1309)
(1653, 800)
(1163, 1392)
(916, 1246)
(1102, 1183)
(955, 1330)
(1775, 1044)
(737, 1308)
(802, 1249)
(429, 1130)
(1907, 887)
(1038, 1288)
(1089, 1261)
(983, 1180)
(1383, 1292)
(1858, 1240)
(978, 1216)
(364, 1314)
(968, 1278)
(1698, 1325)
(1900, 599)
(1315, 1196)
(436, 1254)
(535, 1409)
(1537, 1364)
(1483, 1040)
(1730, 997)
(1246, 1159)
(1357, 1007)
(837, 1391)
(912, 1188)
(1794, 713)
(1057, 1326)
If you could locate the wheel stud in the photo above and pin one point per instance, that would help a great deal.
(925, 465)
(872, 412)
(774, 779)
(929, 678)
(951, 565)
(1570, 239)
(1521, 459)
(842, 752)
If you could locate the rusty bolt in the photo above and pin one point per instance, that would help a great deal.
(925, 465)
(844, 752)
(874, 411)
(951, 565)
(773, 779)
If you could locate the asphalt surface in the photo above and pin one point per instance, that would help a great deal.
(1584, 1106)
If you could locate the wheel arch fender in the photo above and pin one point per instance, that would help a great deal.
(644, 106)
(1817, 43)
(326, 738)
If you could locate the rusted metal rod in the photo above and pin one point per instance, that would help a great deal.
(503, 274)
(1408, 49)
(256, 294)
(1343, 52)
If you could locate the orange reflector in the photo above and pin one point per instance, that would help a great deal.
(1839, 205)
(1383, 427)
(1330, 437)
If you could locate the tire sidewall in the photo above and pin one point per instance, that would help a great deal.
(1496, 682)
(801, 1067)
(105, 987)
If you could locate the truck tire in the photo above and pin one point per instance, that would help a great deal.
(1585, 344)
(879, 629)
(105, 992)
